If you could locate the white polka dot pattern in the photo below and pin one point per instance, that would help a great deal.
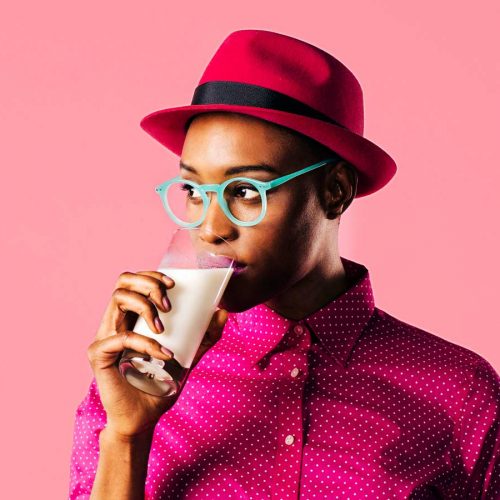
(375, 408)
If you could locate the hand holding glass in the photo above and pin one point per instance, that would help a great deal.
(200, 280)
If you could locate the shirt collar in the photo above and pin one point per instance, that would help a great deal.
(337, 325)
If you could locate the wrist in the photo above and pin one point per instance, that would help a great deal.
(111, 435)
(123, 464)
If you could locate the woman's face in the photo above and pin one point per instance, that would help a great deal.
(285, 245)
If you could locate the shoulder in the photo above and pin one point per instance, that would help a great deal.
(418, 349)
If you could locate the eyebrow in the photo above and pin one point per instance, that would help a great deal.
(261, 167)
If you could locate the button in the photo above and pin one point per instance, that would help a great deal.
(295, 372)
(298, 329)
(289, 439)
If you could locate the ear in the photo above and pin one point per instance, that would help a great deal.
(340, 187)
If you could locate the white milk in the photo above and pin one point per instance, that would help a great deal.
(194, 298)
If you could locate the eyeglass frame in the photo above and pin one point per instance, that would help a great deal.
(262, 187)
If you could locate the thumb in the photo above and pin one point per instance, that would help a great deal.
(220, 317)
(213, 333)
(215, 328)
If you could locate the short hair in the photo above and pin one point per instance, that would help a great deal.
(313, 145)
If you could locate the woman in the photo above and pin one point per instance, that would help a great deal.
(302, 386)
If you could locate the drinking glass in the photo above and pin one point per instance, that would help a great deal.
(200, 278)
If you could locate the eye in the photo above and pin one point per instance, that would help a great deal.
(192, 192)
(245, 191)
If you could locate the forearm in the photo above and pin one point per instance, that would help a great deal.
(122, 467)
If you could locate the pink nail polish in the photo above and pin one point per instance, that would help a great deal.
(166, 302)
(167, 351)
(158, 323)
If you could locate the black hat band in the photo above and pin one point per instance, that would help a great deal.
(246, 94)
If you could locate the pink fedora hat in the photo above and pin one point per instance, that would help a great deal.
(289, 82)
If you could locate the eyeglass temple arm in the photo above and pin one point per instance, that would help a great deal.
(281, 180)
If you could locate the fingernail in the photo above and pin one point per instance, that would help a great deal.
(158, 323)
(167, 351)
(166, 302)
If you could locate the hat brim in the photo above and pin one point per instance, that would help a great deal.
(375, 167)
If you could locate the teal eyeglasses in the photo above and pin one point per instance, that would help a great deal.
(243, 200)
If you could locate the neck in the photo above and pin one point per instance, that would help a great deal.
(321, 285)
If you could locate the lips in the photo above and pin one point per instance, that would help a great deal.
(213, 260)
(238, 267)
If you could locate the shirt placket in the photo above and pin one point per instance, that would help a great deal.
(288, 461)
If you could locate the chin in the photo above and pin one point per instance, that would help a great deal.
(238, 297)
(237, 305)
(241, 294)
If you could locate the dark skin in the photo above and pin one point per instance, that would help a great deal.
(292, 256)
(292, 260)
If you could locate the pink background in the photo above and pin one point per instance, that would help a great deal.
(78, 205)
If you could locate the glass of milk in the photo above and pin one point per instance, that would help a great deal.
(200, 277)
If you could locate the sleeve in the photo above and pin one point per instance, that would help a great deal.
(90, 419)
(479, 434)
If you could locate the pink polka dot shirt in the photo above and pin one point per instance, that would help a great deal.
(349, 402)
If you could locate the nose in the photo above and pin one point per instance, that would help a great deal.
(216, 223)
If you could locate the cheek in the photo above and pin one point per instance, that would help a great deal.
(280, 252)
(285, 236)
(284, 244)
(290, 208)
(300, 216)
